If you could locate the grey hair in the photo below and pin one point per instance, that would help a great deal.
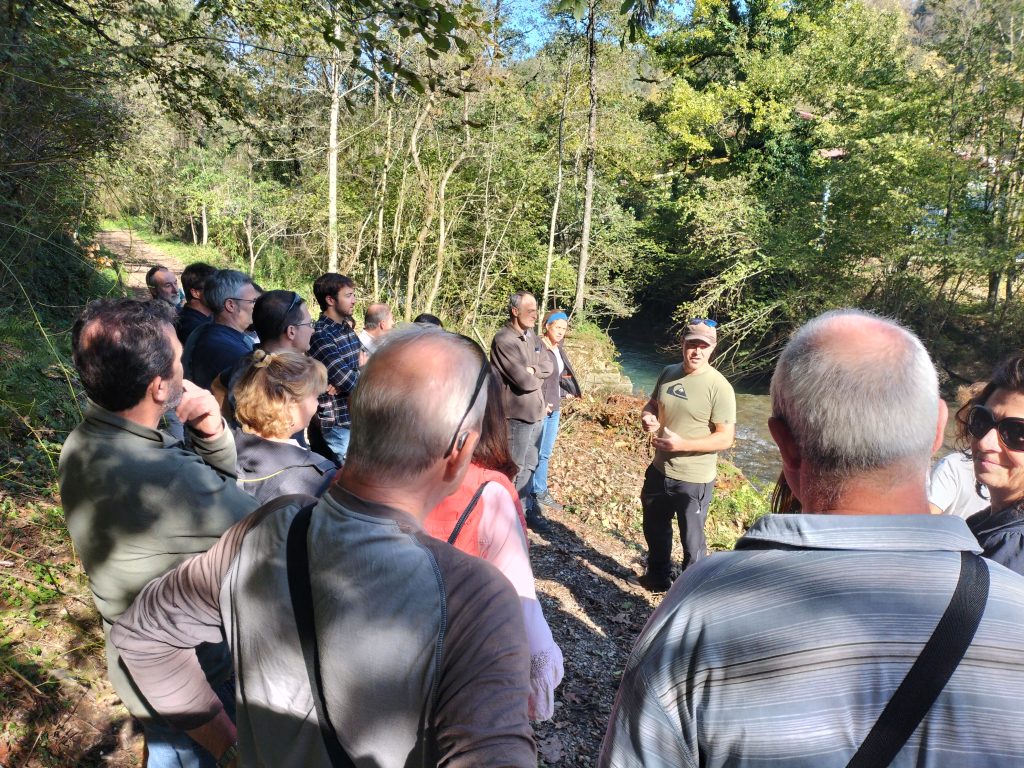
(516, 299)
(404, 414)
(375, 314)
(222, 285)
(850, 410)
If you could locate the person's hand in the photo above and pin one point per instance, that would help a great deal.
(531, 370)
(669, 441)
(331, 390)
(199, 409)
(363, 357)
(550, 408)
(650, 422)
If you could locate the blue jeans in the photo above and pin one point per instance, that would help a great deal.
(523, 439)
(337, 439)
(170, 748)
(548, 435)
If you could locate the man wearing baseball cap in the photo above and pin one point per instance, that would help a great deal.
(692, 416)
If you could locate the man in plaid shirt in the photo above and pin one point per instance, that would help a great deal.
(336, 345)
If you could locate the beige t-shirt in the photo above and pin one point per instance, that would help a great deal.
(689, 405)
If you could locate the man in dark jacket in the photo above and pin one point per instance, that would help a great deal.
(218, 345)
(518, 361)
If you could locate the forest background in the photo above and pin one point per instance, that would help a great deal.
(753, 161)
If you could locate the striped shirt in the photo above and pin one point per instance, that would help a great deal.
(337, 347)
(784, 652)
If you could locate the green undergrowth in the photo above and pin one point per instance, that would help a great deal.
(50, 637)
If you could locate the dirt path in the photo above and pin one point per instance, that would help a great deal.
(136, 257)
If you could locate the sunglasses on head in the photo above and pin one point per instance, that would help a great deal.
(703, 321)
(981, 421)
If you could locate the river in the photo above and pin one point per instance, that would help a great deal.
(642, 359)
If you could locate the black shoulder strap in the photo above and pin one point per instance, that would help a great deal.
(465, 515)
(934, 666)
(302, 604)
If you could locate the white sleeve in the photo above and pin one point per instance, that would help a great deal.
(503, 544)
(944, 483)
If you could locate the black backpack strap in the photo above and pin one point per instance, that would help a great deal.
(302, 603)
(934, 666)
(465, 515)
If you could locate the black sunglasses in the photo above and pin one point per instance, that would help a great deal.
(296, 299)
(485, 370)
(981, 421)
(703, 321)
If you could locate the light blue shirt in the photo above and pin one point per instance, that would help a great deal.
(784, 652)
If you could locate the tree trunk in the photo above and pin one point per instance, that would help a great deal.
(553, 227)
(588, 189)
(429, 207)
(332, 166)
(206, 229)
(195, 235)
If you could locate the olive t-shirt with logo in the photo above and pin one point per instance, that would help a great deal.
(689, 405)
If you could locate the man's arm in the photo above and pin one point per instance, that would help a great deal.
(341, 356)
(508, 356)
(649, 416)
(481, 716)
(158, 634)
(721, 439)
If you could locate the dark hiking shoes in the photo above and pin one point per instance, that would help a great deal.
(535, 522)
(650, 582)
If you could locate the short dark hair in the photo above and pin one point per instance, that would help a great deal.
(193, 278)
(516, 299)
(152, 272)
(376, 314)
(425, 318)
(329, 284)
(119, 346)
(274, 311)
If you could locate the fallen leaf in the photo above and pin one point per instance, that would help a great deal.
(550, 749)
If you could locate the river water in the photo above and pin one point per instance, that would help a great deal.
(754, 452)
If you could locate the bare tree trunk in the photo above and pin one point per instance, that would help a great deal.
(206, 229)
(588, 189)
(429, 207)
(553, 228)
(332, 165)
(249, 242)
(192, 223)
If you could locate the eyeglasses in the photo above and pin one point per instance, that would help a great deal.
(981, 421)
(703, 321)
(485, 370)
(236, 298)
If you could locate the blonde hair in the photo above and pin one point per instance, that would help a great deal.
(268, 388)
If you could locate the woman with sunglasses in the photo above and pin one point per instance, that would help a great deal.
(994, 420)
(484, 518)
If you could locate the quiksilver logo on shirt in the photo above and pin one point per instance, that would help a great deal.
(677, 390)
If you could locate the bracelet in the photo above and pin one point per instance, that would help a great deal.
(228, 756)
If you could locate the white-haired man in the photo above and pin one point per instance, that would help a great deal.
(833, 638)
(418, 651)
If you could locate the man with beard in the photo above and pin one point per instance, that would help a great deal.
(336, 345)
(136, 502)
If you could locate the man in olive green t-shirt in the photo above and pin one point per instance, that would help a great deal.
(692, 414)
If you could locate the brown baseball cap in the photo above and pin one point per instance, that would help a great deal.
(705, 330)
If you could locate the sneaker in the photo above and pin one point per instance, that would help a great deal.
(535, 522)
(651, 583)
(548, 501)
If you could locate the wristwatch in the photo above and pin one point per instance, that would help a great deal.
(228, 756)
